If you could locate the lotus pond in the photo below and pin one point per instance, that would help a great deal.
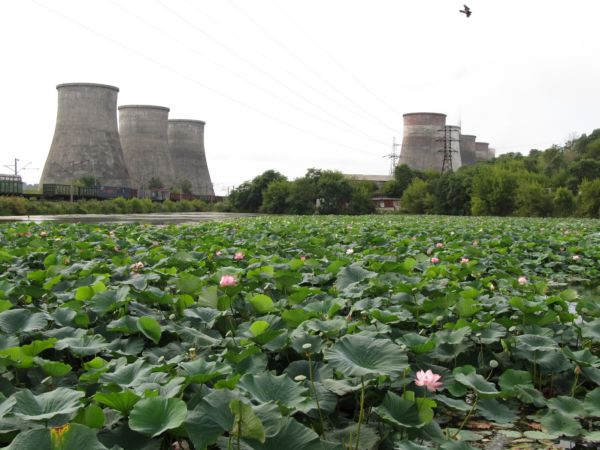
(292, 333)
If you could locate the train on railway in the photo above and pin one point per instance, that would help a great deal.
(12, 185)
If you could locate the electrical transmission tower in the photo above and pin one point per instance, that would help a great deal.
(447, 149)
(393, 156)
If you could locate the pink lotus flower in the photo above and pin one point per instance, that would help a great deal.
(227, 280)
(428, 380)
(576, 257)
(137, 266)
(303, 258)
(475, 243)
(522, 281)
(349, 251)
(439, 245)
(435, 260)
(238, 256)
(43, 233)
(464, 260)
(218, 253)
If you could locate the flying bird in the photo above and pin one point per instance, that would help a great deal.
(466, 11)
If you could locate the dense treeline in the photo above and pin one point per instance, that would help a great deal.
(560, 181)
(22, 206)
(319, 191)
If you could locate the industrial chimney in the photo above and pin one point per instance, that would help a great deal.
(453, 143)
(143, 130)
(423, 141)
(186, 147)
(482, 152)
(467, 149)
(86, 138)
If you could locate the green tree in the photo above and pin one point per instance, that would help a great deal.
(589, 198)
(275, 198)
(403, 176)
(416, 198)
(533, 200)
(248, 196)
(564, 202)
(156, 183)
(494, 192)
(360, 198)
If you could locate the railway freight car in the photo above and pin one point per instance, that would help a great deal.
(11, 185)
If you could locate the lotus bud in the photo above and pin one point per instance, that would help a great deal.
(172, 317)
(306, 346)
(493, 363)
(300, 378)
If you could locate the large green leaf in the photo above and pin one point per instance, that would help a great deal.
(475, 382)
(246, 423)
(360, 355)
(354, 273)
(210, 419)
(558, 423)
(123, 401)
(150, 328)
(266, 387)
(15, 321)
(398, 411)
(47, 405)
(567, 405)
(155, 415)
(592, 402)
(70, 437)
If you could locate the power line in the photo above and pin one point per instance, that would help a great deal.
(307, 66)
(348, 128)
(193, 80)
(264, 72)
(336, 61)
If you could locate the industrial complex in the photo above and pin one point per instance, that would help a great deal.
(141, 150)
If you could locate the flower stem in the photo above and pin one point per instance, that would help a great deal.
(361, 412)
(466, 417)
(312, 383)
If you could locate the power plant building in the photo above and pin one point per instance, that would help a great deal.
(482, 151)
(144, 138)
(467, 149)
(424, 135)
(186, 147)
(86, 137)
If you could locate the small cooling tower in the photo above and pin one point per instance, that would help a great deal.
(86, 138)
(491, 153)
(186, 147)
(482, 152)
(423, 141)
(453, 143)
(467, 149)
(143, 130)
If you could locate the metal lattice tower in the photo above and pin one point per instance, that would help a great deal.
(447, 149)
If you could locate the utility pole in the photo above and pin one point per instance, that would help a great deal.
(447, 149)
(393, 156)
(15, 167)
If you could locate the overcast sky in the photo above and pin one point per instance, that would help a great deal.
(290, 85)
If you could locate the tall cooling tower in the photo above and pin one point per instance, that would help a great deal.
(186, 147)
(86, 138)
(144, 138)
(467, 149)
(482, 152)
(422, 141)
(453, 142)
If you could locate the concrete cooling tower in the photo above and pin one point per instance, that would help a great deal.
(453, 143)
(144, 138)
(482, 152)
(86, 138)
(186, 147)
(491, 153)
(422, 141)
(467, 149)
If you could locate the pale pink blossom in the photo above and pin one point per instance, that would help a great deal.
(429, 252)
(303, 258)
(43, 233)
(227, 280)
(428, 380)
(349, 251)
(137, 266)
(576, 258)
(238, 256)
(475, 243)
(464, 260)
(439, 245)
(435, 260)
(218, 253)
(522, 280)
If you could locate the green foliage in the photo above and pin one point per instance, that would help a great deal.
(589, 198)
(155, 183)
(248, 197)
(416, 198)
